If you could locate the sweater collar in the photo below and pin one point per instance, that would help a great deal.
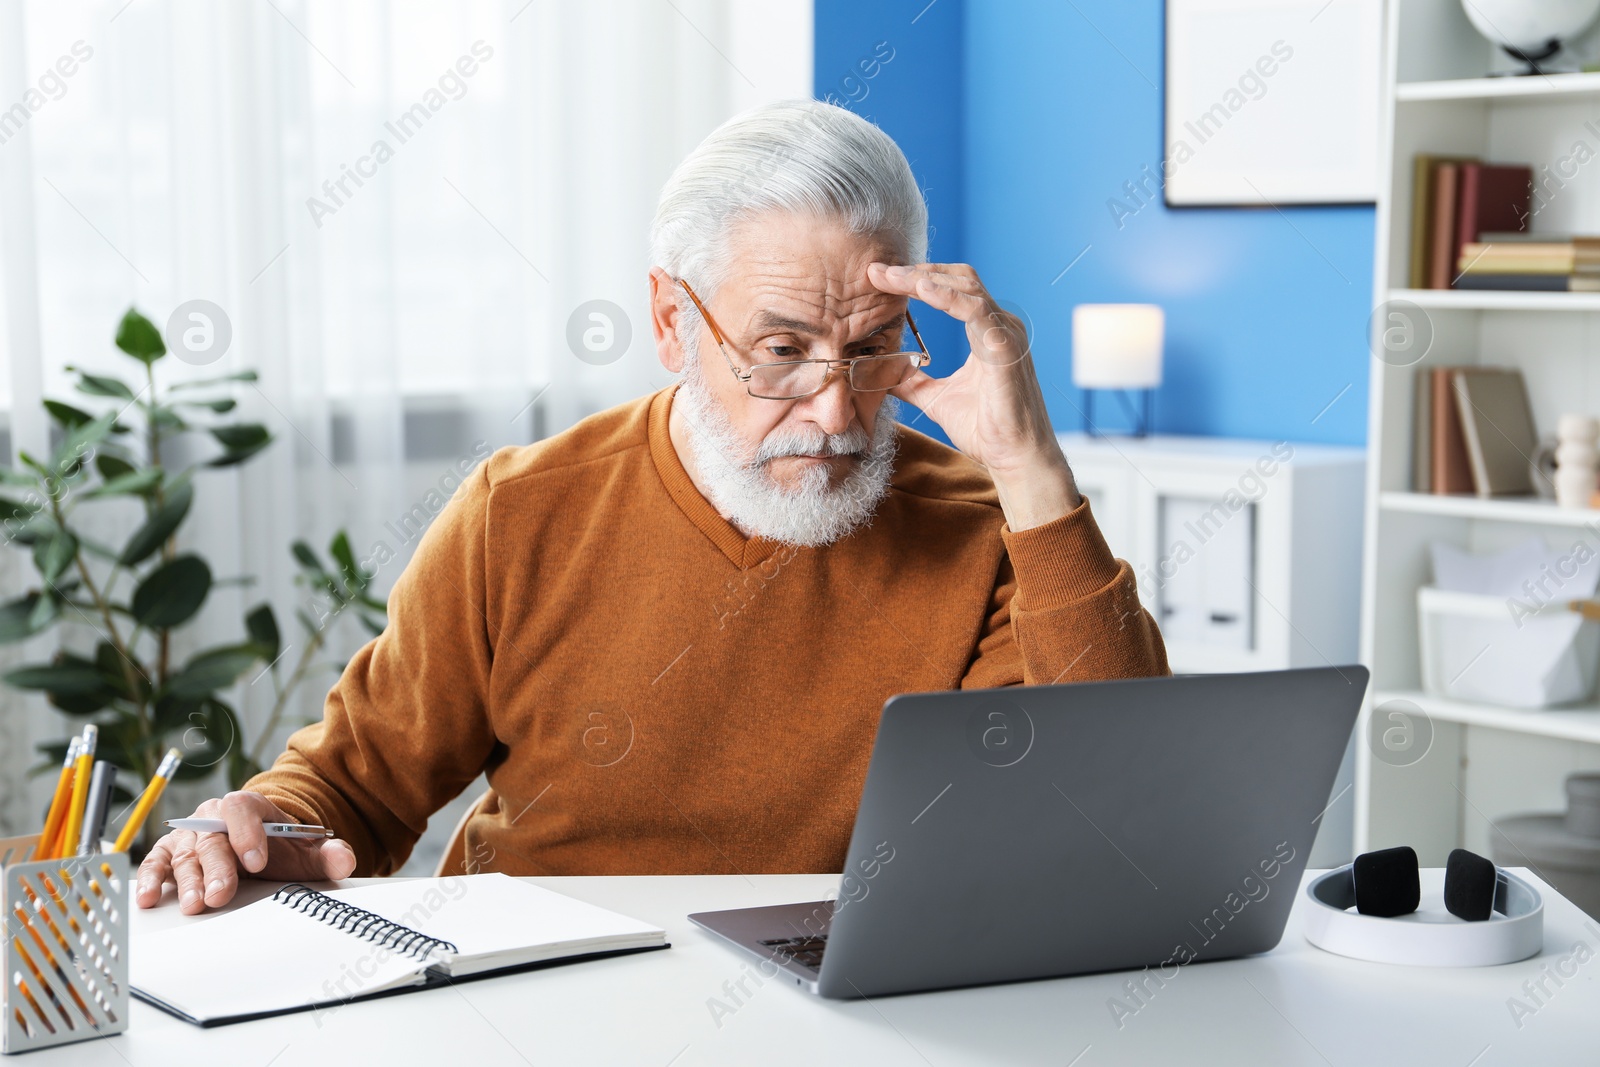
(744, 552)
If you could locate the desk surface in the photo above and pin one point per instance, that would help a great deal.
(1294, 1005)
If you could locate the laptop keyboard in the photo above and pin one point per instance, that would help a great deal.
(806, 951)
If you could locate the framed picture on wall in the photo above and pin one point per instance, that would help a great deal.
(1272, 102)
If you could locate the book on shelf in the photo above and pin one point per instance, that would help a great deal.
(1492, 197)
(1455, 202)
(1568, 264)
(1422, 188)
(1442, 247)
(1472, 432)
(1497, 427)
(1530, 283)
(1450, 469)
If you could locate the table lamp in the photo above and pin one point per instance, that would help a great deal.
(1117, 347)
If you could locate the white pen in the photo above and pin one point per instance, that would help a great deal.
(272, 829)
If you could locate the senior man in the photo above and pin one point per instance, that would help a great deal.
(666, 634)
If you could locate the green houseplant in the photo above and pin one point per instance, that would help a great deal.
(130, 598)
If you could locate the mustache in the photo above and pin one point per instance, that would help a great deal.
(809, 440)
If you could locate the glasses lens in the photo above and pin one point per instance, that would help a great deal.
(876, 374)
(786, 381)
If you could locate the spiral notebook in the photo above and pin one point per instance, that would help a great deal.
(301, 950)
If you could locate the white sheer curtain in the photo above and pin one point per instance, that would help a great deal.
(405, 305)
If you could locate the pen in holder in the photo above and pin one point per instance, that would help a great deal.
(66, 952)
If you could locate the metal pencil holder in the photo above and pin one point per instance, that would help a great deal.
(66, 952)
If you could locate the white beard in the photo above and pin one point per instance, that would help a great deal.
(810, 513)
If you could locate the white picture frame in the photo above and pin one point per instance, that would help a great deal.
(1271, 102)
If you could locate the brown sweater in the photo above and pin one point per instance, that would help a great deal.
(651, 692)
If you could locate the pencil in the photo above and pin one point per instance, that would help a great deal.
(80, 793)
(50, 958)
(58, 804)
(147, 799)
(38, 975)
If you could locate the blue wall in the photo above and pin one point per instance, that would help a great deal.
(1022, 120)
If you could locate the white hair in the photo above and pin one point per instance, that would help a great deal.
(796, 156)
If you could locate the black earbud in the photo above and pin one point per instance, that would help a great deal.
(1469, 884)
(1387, 884)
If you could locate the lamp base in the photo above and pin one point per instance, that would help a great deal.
(1142, 415)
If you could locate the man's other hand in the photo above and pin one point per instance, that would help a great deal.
(206, 867)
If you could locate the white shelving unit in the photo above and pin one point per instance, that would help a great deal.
(1472, 763)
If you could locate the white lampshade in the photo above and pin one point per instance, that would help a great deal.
(1117, 346)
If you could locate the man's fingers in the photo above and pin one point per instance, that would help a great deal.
(903, 279)
(293, 861)
(219, 866)
(243, 812)
(186, 871)
(922, 390)
(338, 859)
(154, 873)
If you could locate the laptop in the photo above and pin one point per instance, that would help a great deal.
(1040, 831)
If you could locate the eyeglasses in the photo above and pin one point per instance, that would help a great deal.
(796, 379)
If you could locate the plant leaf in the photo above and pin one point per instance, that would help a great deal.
(308, 559)
(171, 594)
(262, 625)
(71, 683)
(44, 613)
(108, 661)
(159, 526)
(103, 385)
(201, 383)
(136, 483)
(213, 669)
(138, 336)
(15, 509)
(66, 414)
(240, 442)
(221, 407)
(53, 555)
(79, 440)
(17, 622)
(241, 435)
(111, 466)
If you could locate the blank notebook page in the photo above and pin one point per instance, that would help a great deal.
(268, 956)
(265, 957)
(498, 921)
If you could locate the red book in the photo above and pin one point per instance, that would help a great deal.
(1490, 199)
(1443, 249)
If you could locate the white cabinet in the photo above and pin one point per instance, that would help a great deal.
(1248, 553)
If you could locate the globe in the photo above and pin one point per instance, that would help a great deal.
(1531, 30)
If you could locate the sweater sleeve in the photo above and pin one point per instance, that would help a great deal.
(1064, 610)
(407, 727)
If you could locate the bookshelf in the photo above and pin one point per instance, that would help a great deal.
(1482, 762)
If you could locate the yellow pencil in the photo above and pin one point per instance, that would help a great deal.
(58, 805)
(80, 793)
(147, 799)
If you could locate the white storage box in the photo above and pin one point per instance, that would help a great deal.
(1474, 649)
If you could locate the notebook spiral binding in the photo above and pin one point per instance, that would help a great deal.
(364, 924)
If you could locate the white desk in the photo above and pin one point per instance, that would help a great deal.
(1294, 1005)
